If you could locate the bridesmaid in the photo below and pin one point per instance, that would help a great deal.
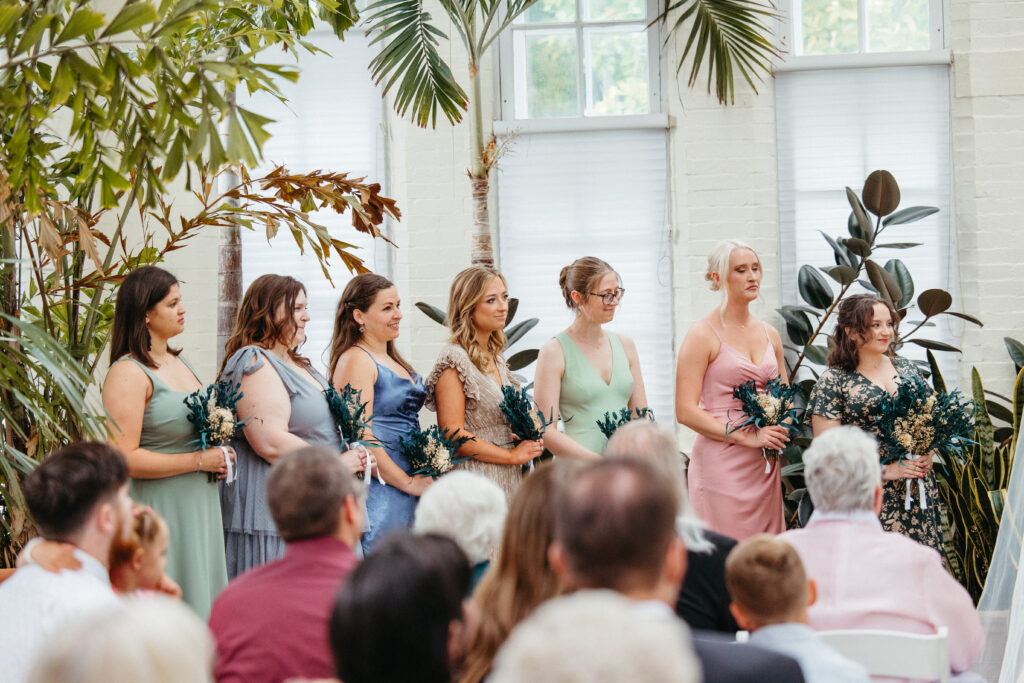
(726, 478)
(585, 372)
(284, 406)
(363, 355)
(465, 387)
(862, 369)
(143, 395)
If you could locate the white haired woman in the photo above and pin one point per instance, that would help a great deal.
(728, 484)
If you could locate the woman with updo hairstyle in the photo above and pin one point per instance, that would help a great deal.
(585, 372)
(363, 356)
(862, 371)
(143, 394)
(465, 386)
(731, 484)
(284, 406)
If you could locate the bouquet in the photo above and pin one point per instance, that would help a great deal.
(432, 451)
(914, 422)
(213, 412)
(613, 420)
(771, 407)
(526, 422)
(349, 412)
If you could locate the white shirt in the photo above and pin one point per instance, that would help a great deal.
(36, 604)
(819, 662)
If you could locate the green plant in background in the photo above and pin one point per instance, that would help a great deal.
(513, 333)
(98, 115)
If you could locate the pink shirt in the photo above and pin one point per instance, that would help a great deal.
(271, 623)
(872, 579)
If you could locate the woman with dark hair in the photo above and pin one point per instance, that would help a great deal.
(284, 406)
(399, 617)
(143, 393)
(862, 371)
(363, 355)
(585, 371)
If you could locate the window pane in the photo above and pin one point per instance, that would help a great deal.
(612, 10)
(618, 73)
(547, 11)
(829, 26)
(551, 73)
(898, 25)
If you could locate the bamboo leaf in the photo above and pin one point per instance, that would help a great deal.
(83, 21)
(132, 16)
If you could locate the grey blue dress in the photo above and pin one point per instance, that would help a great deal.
(396, 408)
(187, 502)
(250, 537)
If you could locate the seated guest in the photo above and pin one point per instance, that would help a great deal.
(703, 600)
(470, 509)
(77, 495)
(156, 640)
(521, 577)
(866, 577)
(770, 595)
(399, 617)
(270, 623)
(615, 530)
(595, 636)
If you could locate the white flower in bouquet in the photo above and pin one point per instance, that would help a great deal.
(222, 425)
(439, 456)
(771, 405)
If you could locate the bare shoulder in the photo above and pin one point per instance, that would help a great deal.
(627, 343)
(124, 374)
(551, 357)
(356, 363)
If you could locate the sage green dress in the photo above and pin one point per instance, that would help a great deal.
(585, 397)
(189, 503)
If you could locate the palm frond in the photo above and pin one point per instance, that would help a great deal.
(733, 36)
(410, 59)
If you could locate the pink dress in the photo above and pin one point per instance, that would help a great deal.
(727, 482)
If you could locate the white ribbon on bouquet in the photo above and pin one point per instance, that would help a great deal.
(909, 498)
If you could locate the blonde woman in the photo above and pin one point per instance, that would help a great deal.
(727, 481)
(465, 386)
(585, 372)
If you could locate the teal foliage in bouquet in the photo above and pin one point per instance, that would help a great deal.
(213, 411)
(432, 451)
(526, 422)
(775, 406)
(613, 420)
(350, 414)
(915, 421)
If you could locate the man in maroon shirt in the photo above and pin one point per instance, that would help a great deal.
(271, 623)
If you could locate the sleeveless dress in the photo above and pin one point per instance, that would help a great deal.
(853, 399)
(585, 397)
(188, 502)
(727, 482)
(483, 416)
(396, 412)
(250, 536)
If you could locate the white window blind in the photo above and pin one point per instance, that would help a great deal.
(603, 193)
(835, 127)
(332, 121)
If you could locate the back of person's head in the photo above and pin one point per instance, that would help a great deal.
(306, 490)
(596, 635)
(616, 523)
(656, 443)
(767, 581)
(394, 614)
(157, 640)
(841, 470)
(467, 507)
(64, 490)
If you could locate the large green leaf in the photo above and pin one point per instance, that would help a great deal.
(433, 312)
(884, 283)
(814, 288)
(860, 226)
(933, 345)
(934, 301)
(901, 274)
(519, 330)
(1016, 351)
(938, 383)
(881, 193)
(520, 360)
(909, 215)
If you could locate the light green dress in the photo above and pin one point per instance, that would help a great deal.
(585, 397)
(188, 502)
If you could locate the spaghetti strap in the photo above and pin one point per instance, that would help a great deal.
(767, 334)
(708, 323)
(367, 353)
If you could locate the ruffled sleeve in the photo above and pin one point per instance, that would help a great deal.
(249, 359)
(453, 356)
(827, 397)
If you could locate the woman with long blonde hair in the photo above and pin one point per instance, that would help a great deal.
(728, 483)
(465, 386)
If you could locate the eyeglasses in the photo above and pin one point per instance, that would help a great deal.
(609, 297)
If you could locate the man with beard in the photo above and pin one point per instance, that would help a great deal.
(77, 495)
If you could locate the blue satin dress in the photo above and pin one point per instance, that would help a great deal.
(396, 408)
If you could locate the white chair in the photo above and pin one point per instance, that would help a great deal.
(894, 653)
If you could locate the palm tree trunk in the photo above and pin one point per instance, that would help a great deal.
(482, 249)
(229, 285)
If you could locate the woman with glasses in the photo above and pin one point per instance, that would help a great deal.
(732, 485)
(585, 372)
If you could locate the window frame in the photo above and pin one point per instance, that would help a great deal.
(508, 93)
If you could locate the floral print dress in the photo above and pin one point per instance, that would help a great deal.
(853, 399)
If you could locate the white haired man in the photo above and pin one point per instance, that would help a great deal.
(866, 577)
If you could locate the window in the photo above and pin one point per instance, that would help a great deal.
(332, 120)
(581, 58)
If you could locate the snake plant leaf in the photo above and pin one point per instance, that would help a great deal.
(813, 287)
(910, 214)
(881, 193)
(934, 301)
(938, 383)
